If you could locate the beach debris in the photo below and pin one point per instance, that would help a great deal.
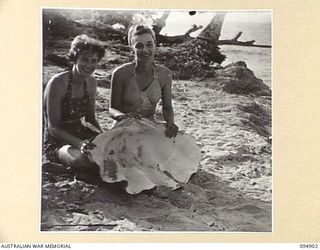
(126, 225)
(234, 41)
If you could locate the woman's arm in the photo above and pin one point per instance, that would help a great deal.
(54, 93)
(167, 110)
(115, 96)
(91, 113)
(166, 82)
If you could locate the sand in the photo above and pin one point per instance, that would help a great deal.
(232, 191)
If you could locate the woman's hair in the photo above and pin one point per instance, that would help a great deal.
(139, 29)
(83, 43)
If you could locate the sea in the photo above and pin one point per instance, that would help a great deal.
(254, 25)
(259, 60)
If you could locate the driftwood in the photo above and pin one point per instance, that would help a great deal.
(211, 33)
(234, 41)
(215, 26)
(194, 56)
(171, 40)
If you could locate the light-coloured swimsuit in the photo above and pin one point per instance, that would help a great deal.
(140, 101)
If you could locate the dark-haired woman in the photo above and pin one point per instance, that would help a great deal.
(69, 106)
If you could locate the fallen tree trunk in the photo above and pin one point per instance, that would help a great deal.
(247, 43)
(194, 56)
(234, 41)
(172, 40)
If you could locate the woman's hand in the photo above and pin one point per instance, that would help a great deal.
(86, 146)
(172, 130)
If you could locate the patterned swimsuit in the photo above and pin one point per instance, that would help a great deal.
(72, 110)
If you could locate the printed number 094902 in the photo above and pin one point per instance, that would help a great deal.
(314, 246)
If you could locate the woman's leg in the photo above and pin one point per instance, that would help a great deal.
(84, 169)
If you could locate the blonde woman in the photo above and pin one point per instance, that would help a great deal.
(137, 87)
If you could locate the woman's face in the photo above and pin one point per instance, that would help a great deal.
(86, 63)
(144, 47)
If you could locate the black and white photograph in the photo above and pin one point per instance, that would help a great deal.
(156, 120)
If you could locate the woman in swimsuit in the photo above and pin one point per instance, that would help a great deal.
(137, 87)
(69, 107)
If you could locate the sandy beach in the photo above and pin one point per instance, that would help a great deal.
(232, 191)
